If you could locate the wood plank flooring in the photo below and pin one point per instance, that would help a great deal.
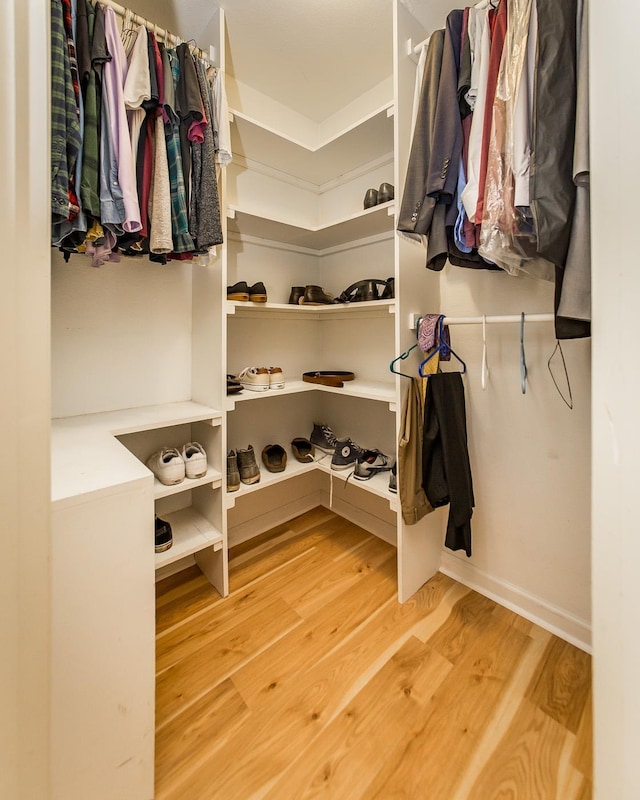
(310, 680)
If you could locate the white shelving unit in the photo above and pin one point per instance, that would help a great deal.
(191, 534)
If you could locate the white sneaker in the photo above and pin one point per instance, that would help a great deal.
(167, 465)
(256, 379)
(276, 378)
(195, 460)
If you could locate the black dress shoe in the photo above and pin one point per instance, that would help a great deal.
(239, 291)
(385, 193)
(316, 296)
(296, 293)
(371, 198)
(258, 293)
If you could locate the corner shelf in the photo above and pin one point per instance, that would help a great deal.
(372, 308)
(366, 140)
(365, 390)
(191, 533)
(370, 222)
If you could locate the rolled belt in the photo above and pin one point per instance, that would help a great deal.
(328, 377)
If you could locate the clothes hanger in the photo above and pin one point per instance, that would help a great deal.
(443, 349)
(484, 375)
(405, 355)
(523, 360)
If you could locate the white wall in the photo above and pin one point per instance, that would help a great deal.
(615, 172)
(24, 402)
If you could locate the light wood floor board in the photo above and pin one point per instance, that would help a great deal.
(310, 680)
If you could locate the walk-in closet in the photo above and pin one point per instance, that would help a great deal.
(136, 673)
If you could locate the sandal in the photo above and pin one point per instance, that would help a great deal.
(362, 291)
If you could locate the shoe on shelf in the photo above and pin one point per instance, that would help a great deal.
(195, 460)
(239, 291)
(256, 379)
(385, 193)
(371, 463)
(389, 291)
(233, 385)
(274, 457)
(233, 475)
(302, 449)
(167, 465)
(258, 293)
(247, 466)
(316, 296)
(393, 478)
(370, 198)
(164, 535)
(296, 293)
(346, 454)
(323, 438)
(362, 291)
(276, 378)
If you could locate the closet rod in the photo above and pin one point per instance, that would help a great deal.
(490, 319)
(158, 32)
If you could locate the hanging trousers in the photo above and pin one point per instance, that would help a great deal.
(446, 470)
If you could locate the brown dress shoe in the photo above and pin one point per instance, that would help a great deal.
(316, 296)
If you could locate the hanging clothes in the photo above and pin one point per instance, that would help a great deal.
(446, 470)
(413, 500)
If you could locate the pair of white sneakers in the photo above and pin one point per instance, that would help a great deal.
(259, 379)
(171, 466)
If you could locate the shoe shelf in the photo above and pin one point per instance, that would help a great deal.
(212, 478)
(366, 390)
(364, 141)
(378, 484)
(292, 469)
(372, 308)
(370, 222)
(191, 533)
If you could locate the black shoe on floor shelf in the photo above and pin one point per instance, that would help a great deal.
(164, 535)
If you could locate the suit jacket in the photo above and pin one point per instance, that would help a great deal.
(432, 174)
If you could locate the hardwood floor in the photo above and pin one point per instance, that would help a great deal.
(310, 680)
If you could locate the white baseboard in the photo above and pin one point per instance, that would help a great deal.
(572, 629)
(278, 516)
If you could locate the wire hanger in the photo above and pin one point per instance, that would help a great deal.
(484, 375)
(441, 348)
(405, 355)
(523, 360)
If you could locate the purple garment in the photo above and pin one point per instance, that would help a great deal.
(114, 76)
(428, 335)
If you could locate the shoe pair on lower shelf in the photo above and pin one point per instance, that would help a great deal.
(260, 379)
(345, 454)
(171, 466)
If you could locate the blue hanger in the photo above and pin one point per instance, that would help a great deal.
(443, 349)
(404, 355)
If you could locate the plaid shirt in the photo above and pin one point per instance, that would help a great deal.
(65, 125)
(182, 241)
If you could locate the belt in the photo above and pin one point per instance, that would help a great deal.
(328, 377)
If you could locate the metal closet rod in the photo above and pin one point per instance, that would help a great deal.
(489, 318)
(158, 32)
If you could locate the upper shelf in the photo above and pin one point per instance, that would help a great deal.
(372, 308)
(367, 140)
(370, 222)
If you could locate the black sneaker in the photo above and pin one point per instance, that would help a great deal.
(323, 438)
(164, 536)
(371, 463)
(393, 478)
(346, 454)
